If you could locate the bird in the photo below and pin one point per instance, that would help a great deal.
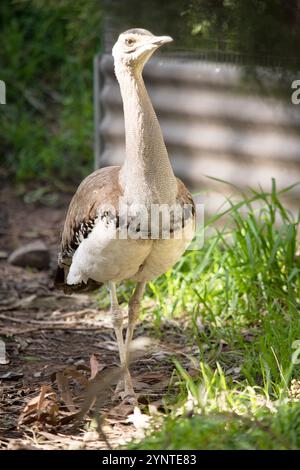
(112, 232)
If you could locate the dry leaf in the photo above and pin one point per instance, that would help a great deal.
(43, 408)
(96, 366)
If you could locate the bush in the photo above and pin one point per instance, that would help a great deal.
(46, 61)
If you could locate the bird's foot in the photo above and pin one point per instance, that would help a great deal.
(125, 392)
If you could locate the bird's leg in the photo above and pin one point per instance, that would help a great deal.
(133, 312)
(117, 319)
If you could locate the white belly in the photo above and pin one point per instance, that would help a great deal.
(164, 254)
(103, 258)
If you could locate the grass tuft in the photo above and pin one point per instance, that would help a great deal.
(243, 289)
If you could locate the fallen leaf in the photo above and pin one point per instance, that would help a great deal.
(96, 366)
(42, 408)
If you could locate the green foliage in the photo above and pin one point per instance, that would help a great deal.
(262, 31)
(229, 431)
(243, 288)
(159, 17)
(46, 60)
(251, 33)
(251, 27)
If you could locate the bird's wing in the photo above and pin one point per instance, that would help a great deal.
(185, 199)
(101, 188)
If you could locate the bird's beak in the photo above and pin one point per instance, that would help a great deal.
(161, 40)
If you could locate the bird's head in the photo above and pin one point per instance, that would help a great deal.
(135, 46)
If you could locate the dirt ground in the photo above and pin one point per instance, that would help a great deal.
(57, 381)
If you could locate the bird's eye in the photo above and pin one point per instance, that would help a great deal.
(130, 41)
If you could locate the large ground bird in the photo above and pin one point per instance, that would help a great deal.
(131, 222)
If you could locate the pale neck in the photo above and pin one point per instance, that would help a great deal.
(146, 175)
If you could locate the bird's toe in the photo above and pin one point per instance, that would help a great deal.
(126, 394)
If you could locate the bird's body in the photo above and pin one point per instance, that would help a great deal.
(89, 249)
(111, 232)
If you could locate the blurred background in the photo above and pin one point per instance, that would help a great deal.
(222, 91)
(46, 61)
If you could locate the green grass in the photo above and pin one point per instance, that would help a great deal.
(263, 430)
(244, 285)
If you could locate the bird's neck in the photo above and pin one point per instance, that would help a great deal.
(146, 175)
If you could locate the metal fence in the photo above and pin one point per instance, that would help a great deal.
(211, 123)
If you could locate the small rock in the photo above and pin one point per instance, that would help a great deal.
(34, 255)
